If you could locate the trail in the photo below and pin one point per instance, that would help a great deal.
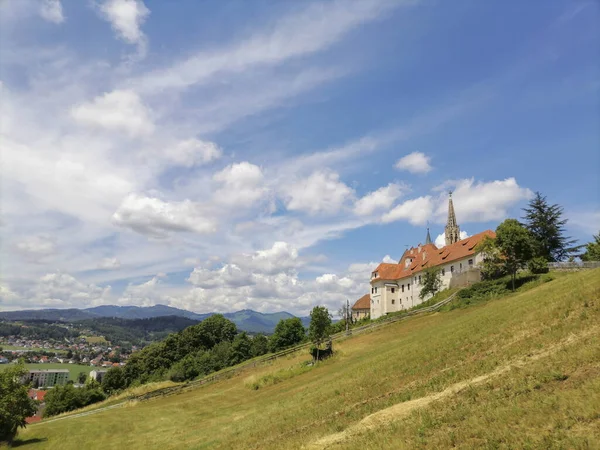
(400, 410)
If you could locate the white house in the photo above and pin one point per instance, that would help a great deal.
(395, 287)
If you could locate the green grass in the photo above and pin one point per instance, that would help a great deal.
(14, 347)
(96, 340)
(539, 349)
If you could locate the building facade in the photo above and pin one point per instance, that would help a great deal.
(395, 287)
(47, 377)
(98, 374)
(362, 308)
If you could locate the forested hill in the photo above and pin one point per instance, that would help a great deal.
(246, 320)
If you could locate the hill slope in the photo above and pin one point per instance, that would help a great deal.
(516, 372)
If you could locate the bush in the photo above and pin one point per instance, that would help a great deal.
(538, 265)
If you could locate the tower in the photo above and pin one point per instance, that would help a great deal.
(452, 229)
(428, 238)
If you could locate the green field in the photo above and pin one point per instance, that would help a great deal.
(522, 371)
(13, 347)
(74, 369)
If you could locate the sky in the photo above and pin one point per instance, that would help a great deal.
(267, 155)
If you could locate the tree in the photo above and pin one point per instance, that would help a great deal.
(493, 265)
(260, 345)
(241, 349)
(431, 282)
(287, 332)
(15, 404)
(547, 228)
(82, 377)
(514, 242)
(320, 324)
(592, 250)
(114, 380)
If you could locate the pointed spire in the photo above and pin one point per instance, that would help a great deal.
(452, 228)
(428, 238)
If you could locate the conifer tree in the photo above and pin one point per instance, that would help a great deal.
(547, 227)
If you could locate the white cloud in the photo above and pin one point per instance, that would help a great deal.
(36, 246)
(310, 30)
(119, 110)
(279, 258)
(440, 240)
(109, 264)
(61, 290)
(415, 211)
(241, 185)
(126, 18)
(144, 294)
(382, 198)
(321, 192)
(193, 152)
(415, 162)
(481, 201)
(51, 10)
(156, 218)
(388, 259)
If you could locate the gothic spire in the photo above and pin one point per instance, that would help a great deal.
(428, 238)
(452, 228)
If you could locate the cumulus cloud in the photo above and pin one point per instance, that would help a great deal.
(415, 162)
(382, 198)
(321, 192)
(415, 211)
(109, 264)
(120, 110)
(51, 10)
(193, 152)
(36, 246)
(156, 218)
(240, 184)
(481, 201)
(126, 18)
(61, 290)
(144, 294)
(279, 258)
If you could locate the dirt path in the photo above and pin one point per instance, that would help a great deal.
(400, 410)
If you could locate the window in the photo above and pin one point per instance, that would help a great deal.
(451, 269)
(402, 288)
(470, 262)
(408, 286)
(393, 301)
(393, 290)
(372, 290)
(419, 279)
(460, 267)
(376, 290)
(443, 272)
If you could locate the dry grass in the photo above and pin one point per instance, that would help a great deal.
(521, 371)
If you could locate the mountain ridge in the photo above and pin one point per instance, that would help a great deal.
(245, 319)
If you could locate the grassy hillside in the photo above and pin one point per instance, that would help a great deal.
(522, 371)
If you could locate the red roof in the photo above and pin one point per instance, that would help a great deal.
(32, 419)
(363, 303)
(429, 256)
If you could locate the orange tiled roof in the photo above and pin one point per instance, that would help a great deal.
(430, 256)
(363, 303)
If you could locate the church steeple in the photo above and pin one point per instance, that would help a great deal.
(452, 228)
(428, 238)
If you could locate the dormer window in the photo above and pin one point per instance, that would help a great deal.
(374, 275)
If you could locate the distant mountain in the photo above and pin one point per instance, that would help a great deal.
(246, 320)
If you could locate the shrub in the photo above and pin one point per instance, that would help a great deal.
(538, 265)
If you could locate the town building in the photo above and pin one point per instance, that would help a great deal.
(47, 377)
(395, 287)
(98, 374)
(362, 308)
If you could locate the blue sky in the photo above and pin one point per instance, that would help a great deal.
(222, 155)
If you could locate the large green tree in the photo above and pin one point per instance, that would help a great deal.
(260, 345)
(431, 282)
(15, 404)
(114, 380)
(515, 244)
(592, 250)
(546, 224)
(492, 266)
(320, 324)
(287, 332)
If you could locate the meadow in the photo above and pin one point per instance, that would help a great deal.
(519, 371)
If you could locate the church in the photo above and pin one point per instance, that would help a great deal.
(395, 287)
